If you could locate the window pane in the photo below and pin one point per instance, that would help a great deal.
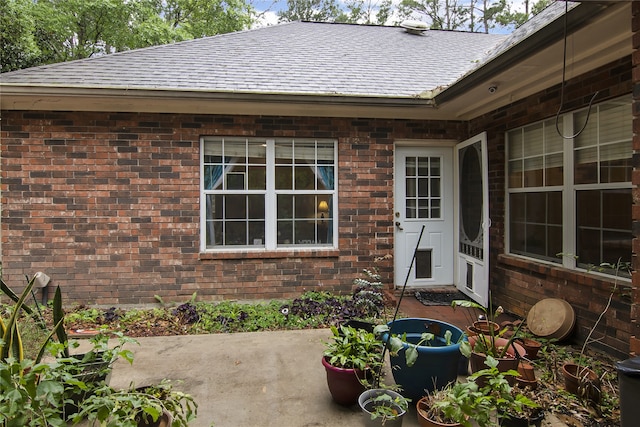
(515, 144)
(615, 162)
(305, 206)
(304, 233)
(586, 166)
(304, 152)
(256, 206)
(533, 140)
(410, 167)
(553, 170)
(326, 153)
(603, 226)
(517, 207)
(411, 209)
(533, 172)
(535, 224)
(284, 177)
(256, 233)
(423, 187)
(285, 206)
(285, 232)
(305, 178)
(515, 174)
(235, 206)
(235, 233)
(411, 187)
(257, 178)
(284, 153)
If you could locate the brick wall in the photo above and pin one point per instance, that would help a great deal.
(107, 204)
(517, 284)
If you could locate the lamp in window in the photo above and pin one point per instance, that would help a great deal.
(323, 207)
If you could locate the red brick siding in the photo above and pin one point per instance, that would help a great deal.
(518, 284)
(107, 204)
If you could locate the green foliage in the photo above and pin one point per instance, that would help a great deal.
(11, 339)
(126, 408)
(387, 407)
(397, 343)
(466, 15)
(466, 402)
(32, 393)
(49, 31)
(18, 47)
(353, 348)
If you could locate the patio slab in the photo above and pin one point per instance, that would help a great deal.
(254, 379)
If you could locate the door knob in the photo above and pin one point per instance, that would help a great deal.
(398, 225)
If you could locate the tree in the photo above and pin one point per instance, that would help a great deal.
(38, 32)
(440, 14)
(310, 10)
(18, 48)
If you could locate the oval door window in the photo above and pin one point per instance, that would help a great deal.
(471, 194)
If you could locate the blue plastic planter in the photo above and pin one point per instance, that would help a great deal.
(437, 363)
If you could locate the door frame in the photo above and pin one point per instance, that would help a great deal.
(399, 280)
(482, 277)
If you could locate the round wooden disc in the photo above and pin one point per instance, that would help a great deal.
(551, 318)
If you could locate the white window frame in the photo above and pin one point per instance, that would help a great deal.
(568, 189)
(270, 243)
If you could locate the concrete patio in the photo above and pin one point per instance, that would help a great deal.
(257, 379)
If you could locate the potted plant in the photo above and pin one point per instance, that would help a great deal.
(504, 350)
(150, 406)
(469, 402)
(424, 353)
(448, 407)
(383, 407)
(525, 415)
(350, 359)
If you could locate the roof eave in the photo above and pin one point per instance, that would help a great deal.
(59, 98)
(577, 17)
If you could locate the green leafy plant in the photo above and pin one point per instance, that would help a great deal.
(353, 348)
(467, 402)
(11, 339)
(130, 407)
(486, 342)
(396, 343)
(388, 407)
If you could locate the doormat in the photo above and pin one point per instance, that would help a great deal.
(439, 297)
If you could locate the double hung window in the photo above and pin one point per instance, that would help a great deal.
(268, 193)
(569, 196)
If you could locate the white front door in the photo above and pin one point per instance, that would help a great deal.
(424, 198)
(472, 234)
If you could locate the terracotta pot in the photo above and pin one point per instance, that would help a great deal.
(527, 376)
(509, 362)
(344, 384)
(422, 409)
(531, 346)
(484, 327)
(581, 381)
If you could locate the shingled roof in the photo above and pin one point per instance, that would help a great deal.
(293, 58)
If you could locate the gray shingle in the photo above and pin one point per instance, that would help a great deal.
(292, 58)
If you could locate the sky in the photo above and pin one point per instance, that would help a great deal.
(272, 6)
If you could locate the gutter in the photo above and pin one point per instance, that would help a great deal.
(577, 18)
(43, 91)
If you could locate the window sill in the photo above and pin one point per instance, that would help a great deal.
(272, 254)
